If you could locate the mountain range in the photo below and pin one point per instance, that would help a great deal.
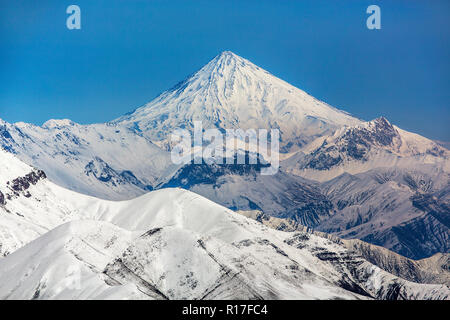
(171, 244)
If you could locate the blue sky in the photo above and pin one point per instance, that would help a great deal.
(129, 51)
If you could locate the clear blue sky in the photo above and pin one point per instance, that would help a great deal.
(129, 51)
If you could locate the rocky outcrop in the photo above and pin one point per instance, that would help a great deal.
(103, 172)
(353, 144)
(20, 185)
(6, 140)
(23, 183)
(435, 269)
(2, 199)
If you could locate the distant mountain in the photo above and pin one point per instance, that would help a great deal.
(121, 159)
(363, 147)
(230, 92)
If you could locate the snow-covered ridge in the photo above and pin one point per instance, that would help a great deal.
(11, 168)
(366, 146)
(55, 123)
(103, 160)
(379, 133)
(174, 244)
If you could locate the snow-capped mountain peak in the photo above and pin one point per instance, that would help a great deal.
(57, 123)
(231, 92)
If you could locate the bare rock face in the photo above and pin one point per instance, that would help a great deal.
(354, 143)
(434, 269)
(102, 171)
(23, 183)
(20, 185)
(2, 198)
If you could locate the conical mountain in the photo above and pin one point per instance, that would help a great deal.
(231, 92)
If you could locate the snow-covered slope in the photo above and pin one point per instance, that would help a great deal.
(175, 244)
(31, 205)
(100, 159)
(67, 263)
(230, 92)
